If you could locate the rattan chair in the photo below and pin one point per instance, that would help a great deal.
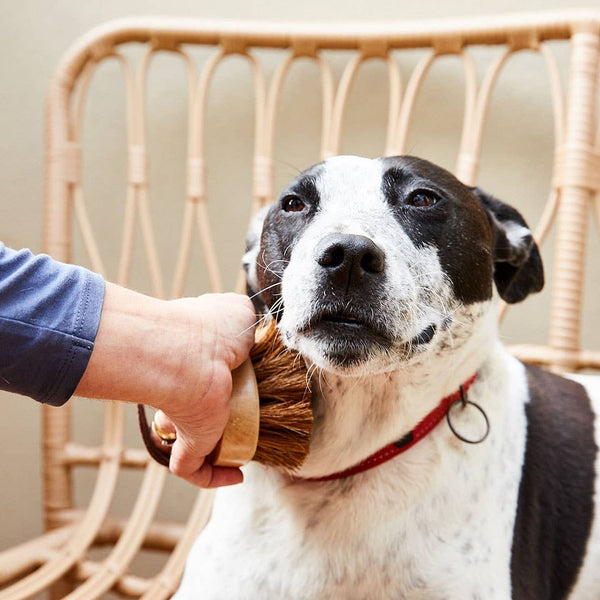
(64, 560)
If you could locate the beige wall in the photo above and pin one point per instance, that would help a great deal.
(34, 34)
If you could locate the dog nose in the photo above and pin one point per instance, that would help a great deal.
(349, 258)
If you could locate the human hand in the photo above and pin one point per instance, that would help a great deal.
(221, 334)
(176, 356)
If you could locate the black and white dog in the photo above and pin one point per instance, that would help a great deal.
(380, 272)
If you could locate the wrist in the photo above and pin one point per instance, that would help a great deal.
(129, 361)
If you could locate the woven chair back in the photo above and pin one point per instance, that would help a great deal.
(65, 560)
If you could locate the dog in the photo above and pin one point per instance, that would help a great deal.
(441, 467)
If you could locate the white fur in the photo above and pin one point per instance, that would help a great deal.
(516, 234)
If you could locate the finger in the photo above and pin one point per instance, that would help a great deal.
(190, 463)
(159, 443)
(165, 425)
(244, 310)
(224, 476)
(163, 422)
(241, 299)
(208, 476)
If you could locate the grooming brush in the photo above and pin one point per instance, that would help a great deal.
(270, 418)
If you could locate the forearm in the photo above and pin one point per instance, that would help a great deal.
(129, 361)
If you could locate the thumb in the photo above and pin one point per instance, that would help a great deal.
(163, 422)
(185, 458)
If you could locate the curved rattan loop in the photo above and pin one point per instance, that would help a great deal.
(466, 162)
(557, 93)
(195, 184)
(85, 532)
(80, 95)
(262, 172)
(166, 583)
(131, 539)
(198, 108)
(196, 189)
(341, 99)
(79, 208)
(87, 233)
(549, 213)
(395, 98)
(410, 96)
(137, 188)
(343, 94)
(472, 147)
(328, 98)
(133, 132)
(272, 104)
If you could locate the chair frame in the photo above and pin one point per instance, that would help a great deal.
(58, 558)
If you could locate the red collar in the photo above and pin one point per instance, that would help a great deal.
(407, 441)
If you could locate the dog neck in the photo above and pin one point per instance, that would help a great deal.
(356, 416)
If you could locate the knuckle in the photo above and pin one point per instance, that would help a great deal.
(222, 383)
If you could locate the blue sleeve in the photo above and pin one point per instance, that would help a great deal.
(49, 317)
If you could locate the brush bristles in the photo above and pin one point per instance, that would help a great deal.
(285, 409)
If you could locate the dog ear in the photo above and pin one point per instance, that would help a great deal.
(518, 269)
(250, 258)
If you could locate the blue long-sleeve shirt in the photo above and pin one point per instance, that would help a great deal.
(49, 317)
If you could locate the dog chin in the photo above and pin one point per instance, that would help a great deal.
(350, 355)
(336, 360)
(354, 351)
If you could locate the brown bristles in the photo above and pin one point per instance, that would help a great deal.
(285, 402)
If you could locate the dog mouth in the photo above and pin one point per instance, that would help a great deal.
(344, 320)
(350, 336)
(425, 336)
(355, 322)
(350, 320)
(346, 336)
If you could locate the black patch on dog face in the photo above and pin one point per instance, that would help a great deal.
(518, 269)
(455, 225)
(280, 231)
(469, 229)
(555, 509)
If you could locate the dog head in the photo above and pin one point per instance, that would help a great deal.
(365, 263)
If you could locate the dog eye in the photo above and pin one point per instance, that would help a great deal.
(422, 199)
(292, 204)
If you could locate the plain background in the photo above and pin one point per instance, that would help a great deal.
(35, 33)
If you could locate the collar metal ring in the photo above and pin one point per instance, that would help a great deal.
(465, 402)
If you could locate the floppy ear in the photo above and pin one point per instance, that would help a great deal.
(250, 258)
(518, 269)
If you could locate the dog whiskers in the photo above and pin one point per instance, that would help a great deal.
(265, 289)
(312, 369)
(276, 273)
(263, 318)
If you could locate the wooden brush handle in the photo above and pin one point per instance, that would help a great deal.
(238, 444)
